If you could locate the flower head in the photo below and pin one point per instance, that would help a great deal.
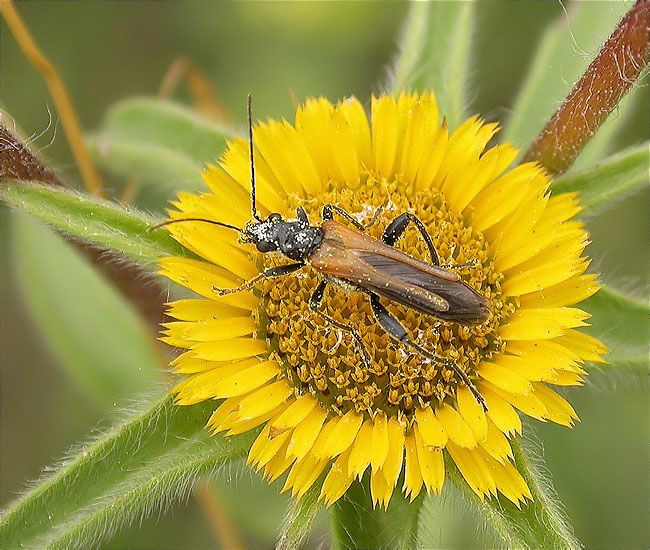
(335, 393)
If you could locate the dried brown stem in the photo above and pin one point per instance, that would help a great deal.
(607, 79)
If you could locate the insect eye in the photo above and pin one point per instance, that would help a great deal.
(265, 246)
(274, 217)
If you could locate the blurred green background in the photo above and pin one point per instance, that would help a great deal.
(107, 51)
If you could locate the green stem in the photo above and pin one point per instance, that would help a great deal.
(299, 519)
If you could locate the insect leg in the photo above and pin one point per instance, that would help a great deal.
(395, 329)
(314, 304)
(270, 273)
(395, 229)
(328, 214)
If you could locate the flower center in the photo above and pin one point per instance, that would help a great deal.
(326, 361)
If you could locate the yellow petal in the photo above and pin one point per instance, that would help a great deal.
(472, 413)
(542, 323)
(544, 276)
(502, 197)
(278, 464)
(379, 443)
(385, 132)
(496, 444)
(319, 448)
(567, 293)
(236, 162)
(293, 415)
(380, 489)
(465, 145)
(204, 239)
(303, 474)
(344, 433)
(455, 427)
(526, 368)
(488, 167)
(218, 329)
(358, 122)
(585, 346)
(285, 152)
(546, 355)
(228, 201)
(338, 480)
(432, 158)
(208, 385)
(244, 380)
(264, 448)
(529, 403)
(343, 151)
(474, 469)
(504, 378)
(202, 278)
(360, 455)
(432, 465)
(312, 124)
(230, 350)
(393, 463)
(222, 412)
(201, 310)
(558, 410)
(305, 433)
(412, 474)
(431, 429)
(508, 481)
(264, 400)
(500, 412)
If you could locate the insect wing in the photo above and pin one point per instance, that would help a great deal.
(375, 266)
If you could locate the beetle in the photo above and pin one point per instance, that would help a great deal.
(348, 257)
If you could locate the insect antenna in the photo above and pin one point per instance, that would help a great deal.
(213, 222)
(254, 211)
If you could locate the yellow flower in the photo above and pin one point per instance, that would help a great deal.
(329, 414)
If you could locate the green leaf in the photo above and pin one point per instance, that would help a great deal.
(158, 142)
(144, 464)
(92, 330)
(611, 180)
(299, 520)
(622, 322)
(354, 523)
(147, 163)
(538, 524)
(94, 220)
(565, 51)
(434, 54)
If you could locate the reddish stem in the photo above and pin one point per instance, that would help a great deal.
(616, 67)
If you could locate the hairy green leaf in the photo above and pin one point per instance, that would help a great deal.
(354, 523)
(168, 125)
(144, 464)
(299, 519)
(434, 54)
(94, 220)
(611, 180)
(537, 524)
(158, 143)
(565, 51)
(95, 334)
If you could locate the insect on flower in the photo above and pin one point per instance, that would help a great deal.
(349, 258)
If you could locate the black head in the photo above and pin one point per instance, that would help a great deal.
(296, 239)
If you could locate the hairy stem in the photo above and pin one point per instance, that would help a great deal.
(607, 79)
